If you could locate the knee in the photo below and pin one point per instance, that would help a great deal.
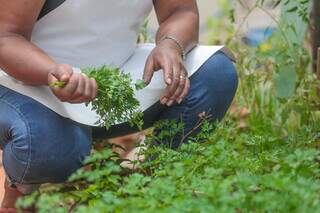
(40, 152)
(26, 162)
(221, 72)
(15, 142)
(214, 86)
(14, 131)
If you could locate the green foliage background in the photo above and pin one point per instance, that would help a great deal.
(264, 160)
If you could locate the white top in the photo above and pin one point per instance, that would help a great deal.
(86, 33)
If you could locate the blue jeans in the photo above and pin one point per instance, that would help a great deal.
(39, 146)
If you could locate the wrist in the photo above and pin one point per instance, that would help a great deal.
(173, 44)
(170, 45)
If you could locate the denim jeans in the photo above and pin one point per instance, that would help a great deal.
(39, 146)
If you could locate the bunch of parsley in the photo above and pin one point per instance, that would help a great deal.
(115, 101)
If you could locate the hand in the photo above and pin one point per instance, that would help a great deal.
(166, 56)
(78, 89)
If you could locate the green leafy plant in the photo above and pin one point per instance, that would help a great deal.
(263, 157)
(115, 102)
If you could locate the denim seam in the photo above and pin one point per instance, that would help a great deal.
(29, 137)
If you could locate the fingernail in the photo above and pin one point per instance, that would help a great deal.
(180, 100)
(169, 81)
(164, 100)
(170, 103)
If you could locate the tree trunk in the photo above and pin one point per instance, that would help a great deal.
(315, 31)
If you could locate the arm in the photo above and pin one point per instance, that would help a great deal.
(26, 62)
(178, 19)
(18, 55)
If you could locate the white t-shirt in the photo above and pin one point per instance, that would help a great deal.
(86, 33)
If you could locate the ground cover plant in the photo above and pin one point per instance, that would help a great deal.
(263, 157)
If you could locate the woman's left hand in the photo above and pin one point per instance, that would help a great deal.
(167, 56)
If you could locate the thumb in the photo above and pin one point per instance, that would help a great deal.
(52, 79)
(148, 71)
(61, 73)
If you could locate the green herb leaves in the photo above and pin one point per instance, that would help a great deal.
(115, 102)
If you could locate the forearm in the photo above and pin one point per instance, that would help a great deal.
(183, 24)
(24, 61)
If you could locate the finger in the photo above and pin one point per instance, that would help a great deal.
(52, 79)
(62, 72)
(88, 89)
(66, 93)
(148, 70)
(175, 83)
(181, 86)
(168, 71)
(163, 98)
(79, 100)
(185, 91)
(80, 90)
(65, 72)
(94, 90)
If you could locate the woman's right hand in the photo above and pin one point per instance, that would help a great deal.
(79, 88)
